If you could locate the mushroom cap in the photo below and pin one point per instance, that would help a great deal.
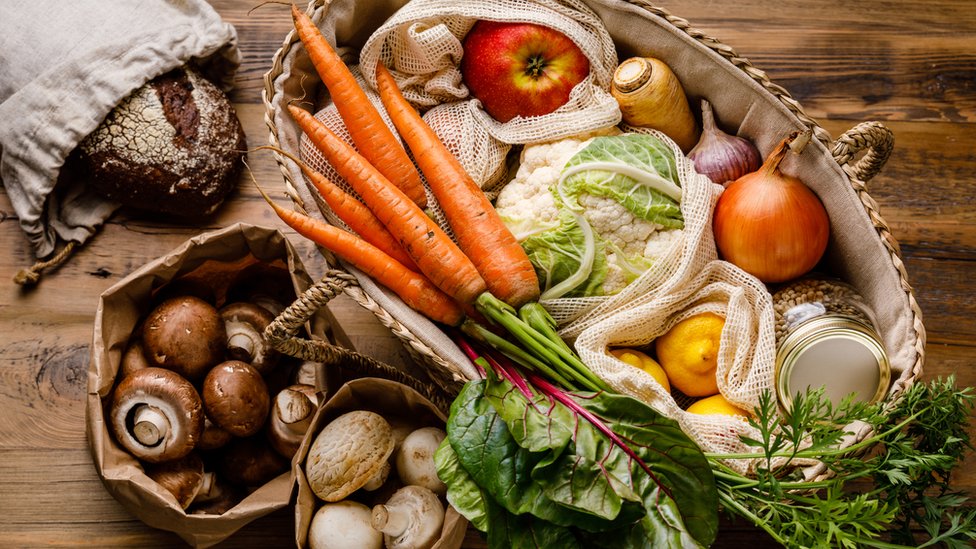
(236, 398)
(182, 477)
(415, 459)
(250, 462)
(134, 358)
(213, 436)
(244, 324)
(422, 518)
(347, 453)
(184, 334)
(343, 525)
(172, 397)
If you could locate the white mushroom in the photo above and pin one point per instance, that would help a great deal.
(348, 453)
(291, 414)
(156, 415)
(245, 324)
(343, 525)
(415, 459)
(411, 519)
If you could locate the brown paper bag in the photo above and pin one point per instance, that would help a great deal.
(214, 258)
(391, 400)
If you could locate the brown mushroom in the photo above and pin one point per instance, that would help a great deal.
(250, 462)
(184, 334)
(244, 324)
(265, 285)
(221, 497)
(185, 478)
(411, 519)
(310, 373)
(213, 436)
(348, 453)
(292, 412)
(156, 415)
(133, 359)
(236, 398)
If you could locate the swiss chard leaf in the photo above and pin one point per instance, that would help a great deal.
(463, 493)
(487, 451)
(508, 531)
(585, 470)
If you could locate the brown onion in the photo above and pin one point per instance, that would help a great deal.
(720, 156)
(770, 224)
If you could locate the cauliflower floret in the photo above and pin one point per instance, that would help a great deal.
(527, 206)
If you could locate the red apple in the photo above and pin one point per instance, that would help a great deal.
(520, 69)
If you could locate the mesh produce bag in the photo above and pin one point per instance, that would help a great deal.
(746, 351)
(689, 254)
(422, 46)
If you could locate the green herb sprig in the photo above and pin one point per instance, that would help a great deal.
(890, 489)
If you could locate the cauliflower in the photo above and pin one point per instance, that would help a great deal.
(593, 211)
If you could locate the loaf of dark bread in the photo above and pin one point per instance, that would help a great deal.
(174, 146)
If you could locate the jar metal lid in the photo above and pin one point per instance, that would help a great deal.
(839, 353)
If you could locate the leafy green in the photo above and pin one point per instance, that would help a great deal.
(636, 170)
(570, 260)
(903, 487)
(534, 456)
(571, 253)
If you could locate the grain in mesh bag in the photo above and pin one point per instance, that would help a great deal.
(746, 359)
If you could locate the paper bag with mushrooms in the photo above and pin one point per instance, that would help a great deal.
(368, 464)
(192, 420)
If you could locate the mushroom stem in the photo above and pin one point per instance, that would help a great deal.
(294, 409)
(241, 344)
(392, 520)
(149, 425)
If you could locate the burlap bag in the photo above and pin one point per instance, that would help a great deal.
(63, 67)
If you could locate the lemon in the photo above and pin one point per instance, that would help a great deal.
(688, 352)
(641, 360)
(716, 404)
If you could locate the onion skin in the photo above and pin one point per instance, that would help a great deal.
(770, 224)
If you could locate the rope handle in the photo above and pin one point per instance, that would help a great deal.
(282, 335)
(873, 139)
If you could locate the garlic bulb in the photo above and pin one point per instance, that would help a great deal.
(720, 156)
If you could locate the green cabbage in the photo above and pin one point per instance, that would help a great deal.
(638, 172)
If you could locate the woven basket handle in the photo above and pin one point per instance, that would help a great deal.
(874, 139)
(281, 334)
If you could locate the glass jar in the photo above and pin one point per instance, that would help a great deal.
(826, 336)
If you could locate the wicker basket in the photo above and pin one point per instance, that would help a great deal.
(849, 162)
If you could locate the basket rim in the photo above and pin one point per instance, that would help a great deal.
(416, 347)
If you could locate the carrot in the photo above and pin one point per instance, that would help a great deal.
(374, 139)
(413, 288)
(432, 250)
(353, 212)
(480, 232)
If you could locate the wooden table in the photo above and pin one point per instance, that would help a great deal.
(910, 65)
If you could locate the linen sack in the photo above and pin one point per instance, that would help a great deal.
(63, 67)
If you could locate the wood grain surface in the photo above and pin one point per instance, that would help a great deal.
(909, 65)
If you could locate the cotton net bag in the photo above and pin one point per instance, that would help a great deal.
(670, 271)
(746, 359)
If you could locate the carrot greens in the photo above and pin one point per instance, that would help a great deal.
(896, 495)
